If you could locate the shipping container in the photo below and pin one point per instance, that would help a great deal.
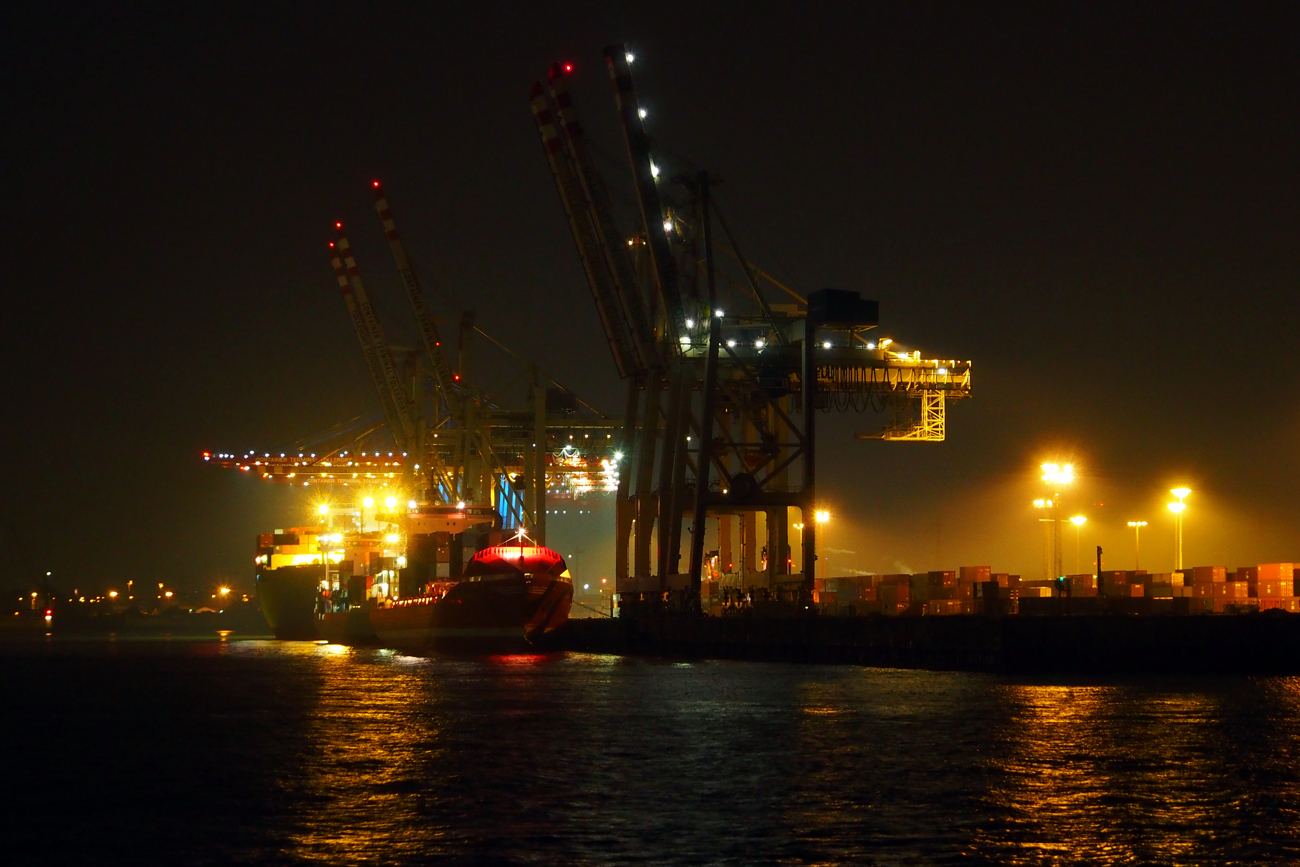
(942, 578)
(1273, 589)
(1209, 574)
(1230, 590)
(1275, 571)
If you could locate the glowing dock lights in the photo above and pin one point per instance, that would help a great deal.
(1137, 542)
(1177, 508)
(1058, 474)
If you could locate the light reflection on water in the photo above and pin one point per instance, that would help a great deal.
(328, 754)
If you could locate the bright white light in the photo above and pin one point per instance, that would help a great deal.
(391, 502)
(686, 340)
(368, 502)
(401, 562)
(943, 371)
(731, 343)
(642, 112)
(391, 538)
(460, 504)
(690, 323)
(586, 586)
(1181, 493)
(630, 57)
(758, 344)
(826, 344)
(719, 313)
(411, 504)
(871, 346)
(668, 225)
(1062, 475)
(618, 456)
(654, 170)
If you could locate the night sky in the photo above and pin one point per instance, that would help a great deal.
(1097, 205)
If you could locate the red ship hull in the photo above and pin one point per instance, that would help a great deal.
(491, 614)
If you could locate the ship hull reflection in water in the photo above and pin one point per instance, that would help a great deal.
(251, 752)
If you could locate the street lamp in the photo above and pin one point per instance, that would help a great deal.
(1177, 509)
(1058, 476)
(1078, 521)
(822, 516)
(799, 527)
(1137, 542)
(1047, 537)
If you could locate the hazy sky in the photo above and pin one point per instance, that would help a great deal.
(1097, 205)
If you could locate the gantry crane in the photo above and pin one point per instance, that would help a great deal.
(720, 420)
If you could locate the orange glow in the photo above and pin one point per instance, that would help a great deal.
(518, 659)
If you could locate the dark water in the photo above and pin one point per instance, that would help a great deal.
(266, 753)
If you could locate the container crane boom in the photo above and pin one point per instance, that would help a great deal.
(608, 236)
(446, 378)
(645, 172)
(385, 356)
(603, 287)
(367, 348)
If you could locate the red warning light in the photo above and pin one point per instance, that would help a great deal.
(207, 454)
(376, 183)
(456, 377)
(331, 243)
(338, 225)
(568, 67)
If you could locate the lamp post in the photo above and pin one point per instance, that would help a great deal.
(1177, 508)
(822, 516)
(1058, 476)
(1047, 538)
(1078, 521)
(798, 527)
(1137, 543)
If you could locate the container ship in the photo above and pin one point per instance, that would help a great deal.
(340, 580)
(317, 582)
